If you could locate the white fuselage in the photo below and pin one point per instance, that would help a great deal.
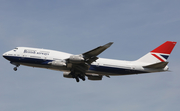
(36, 57)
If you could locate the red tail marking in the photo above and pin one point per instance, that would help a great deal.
(165, 48)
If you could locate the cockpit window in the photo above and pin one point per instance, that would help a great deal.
(15, 49)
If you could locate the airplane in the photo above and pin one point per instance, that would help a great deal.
(88, 64)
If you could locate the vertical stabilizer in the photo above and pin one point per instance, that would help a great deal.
(159, 54)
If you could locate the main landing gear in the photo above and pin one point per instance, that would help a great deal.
(77, 79)
(78, 76)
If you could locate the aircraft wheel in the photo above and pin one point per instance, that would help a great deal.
(83, 79)
(15, 68)
(77, 79)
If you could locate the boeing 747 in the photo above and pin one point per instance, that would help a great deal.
(88, 64)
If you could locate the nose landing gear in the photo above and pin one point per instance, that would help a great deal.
(15, 68)
(16, 64)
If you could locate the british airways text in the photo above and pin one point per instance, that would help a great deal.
(36, 52)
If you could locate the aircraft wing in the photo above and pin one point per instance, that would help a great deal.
(79, 64)
(91, 55)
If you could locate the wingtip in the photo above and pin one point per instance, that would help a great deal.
(111, 43)
(108, 44)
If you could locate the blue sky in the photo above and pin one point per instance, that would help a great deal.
(135, 26)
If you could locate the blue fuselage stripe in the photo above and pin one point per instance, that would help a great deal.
(95, 68)
(27, 60)
(114, 70)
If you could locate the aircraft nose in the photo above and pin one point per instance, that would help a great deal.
(4, 55)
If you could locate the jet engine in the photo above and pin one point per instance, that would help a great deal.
(67, 75)
(58, 63)
(76, 59)
(94, 77)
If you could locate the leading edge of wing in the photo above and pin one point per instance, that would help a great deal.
(97, 51)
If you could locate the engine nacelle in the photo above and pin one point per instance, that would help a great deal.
(94, 77)
(67, 75)
(58, 63)
(76, 59)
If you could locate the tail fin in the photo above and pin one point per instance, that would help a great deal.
(159, 54)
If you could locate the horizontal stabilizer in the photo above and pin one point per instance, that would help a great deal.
(159, 65)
